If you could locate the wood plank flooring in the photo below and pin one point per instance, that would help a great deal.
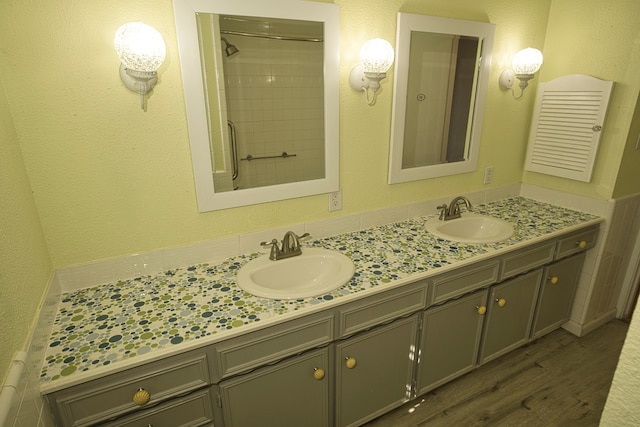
(558, 380)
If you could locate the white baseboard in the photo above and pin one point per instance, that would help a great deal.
(580, 330)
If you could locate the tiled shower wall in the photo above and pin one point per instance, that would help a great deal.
(274, 92)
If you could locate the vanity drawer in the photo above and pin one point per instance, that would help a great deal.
(382, 308)
(577, 242)
(527, 259)
(269, 345)
(109, 397)
(463, 280)
(195, 409)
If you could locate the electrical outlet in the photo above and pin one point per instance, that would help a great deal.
(335, 201)
(488, 175)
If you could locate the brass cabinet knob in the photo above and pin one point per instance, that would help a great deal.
(581, 244)
(350, 362)
(501, 302)
(553, 280)
(481, 309)
(141, 397)
(318, 373)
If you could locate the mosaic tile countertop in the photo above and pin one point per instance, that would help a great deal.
(98, 328)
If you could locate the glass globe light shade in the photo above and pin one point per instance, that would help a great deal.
(140, 47)
(527, 61)
(376, 56)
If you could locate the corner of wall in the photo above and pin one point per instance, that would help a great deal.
(27, 407)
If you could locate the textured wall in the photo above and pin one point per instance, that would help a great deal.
(600, 39)
(24, 260)
(623, 404)
(627, 181)
(110, 179)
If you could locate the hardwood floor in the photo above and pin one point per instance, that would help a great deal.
(558, 380)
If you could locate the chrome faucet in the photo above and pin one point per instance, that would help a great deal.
(453, 210)
(289, 247)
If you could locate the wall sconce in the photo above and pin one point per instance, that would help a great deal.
(524, 65)
(141, 50)
(376, 56)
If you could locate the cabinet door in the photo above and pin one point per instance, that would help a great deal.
(509, 315)
(294, 392)
(374, 371)
(556, 294)
(450, 340)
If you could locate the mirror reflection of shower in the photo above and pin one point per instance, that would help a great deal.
(230, 49)
(274, 100)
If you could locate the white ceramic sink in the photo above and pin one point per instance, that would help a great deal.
(315, 272)
(471, 228)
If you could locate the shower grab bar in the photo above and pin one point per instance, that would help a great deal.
(234, 148)
(284, 155)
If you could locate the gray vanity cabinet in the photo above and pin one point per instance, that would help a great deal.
(351, 362)
(450, 340)
(558, 289)
(510, 311)
(374, 371)
(294, 392)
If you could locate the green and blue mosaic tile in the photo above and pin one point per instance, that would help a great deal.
(102, 325)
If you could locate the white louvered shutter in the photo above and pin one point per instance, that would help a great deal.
(567, 121)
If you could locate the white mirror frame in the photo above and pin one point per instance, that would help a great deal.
(407, 23)
(187, 34)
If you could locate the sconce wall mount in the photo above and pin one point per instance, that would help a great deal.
(142, 51)
(376, 57)
(524, 65)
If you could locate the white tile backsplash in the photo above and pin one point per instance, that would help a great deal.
(333, 226)
(384, 216)
(104, 271)
(428, 207)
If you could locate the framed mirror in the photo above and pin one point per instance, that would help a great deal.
(441, 78)
(261, 92)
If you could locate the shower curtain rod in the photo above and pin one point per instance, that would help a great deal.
(272, 37)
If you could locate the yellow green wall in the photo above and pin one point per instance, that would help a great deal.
(25, 266)
(110, 179)
(628, 181)
(598, 38)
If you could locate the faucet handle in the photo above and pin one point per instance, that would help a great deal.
(443, 211)
(274, 248)
(272, 243)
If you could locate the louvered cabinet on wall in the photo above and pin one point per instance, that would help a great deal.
(566, 127)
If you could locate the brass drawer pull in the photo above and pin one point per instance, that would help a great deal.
(141, 397)
(318, 373)
(350, 362)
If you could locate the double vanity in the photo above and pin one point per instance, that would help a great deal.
(190, 347)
